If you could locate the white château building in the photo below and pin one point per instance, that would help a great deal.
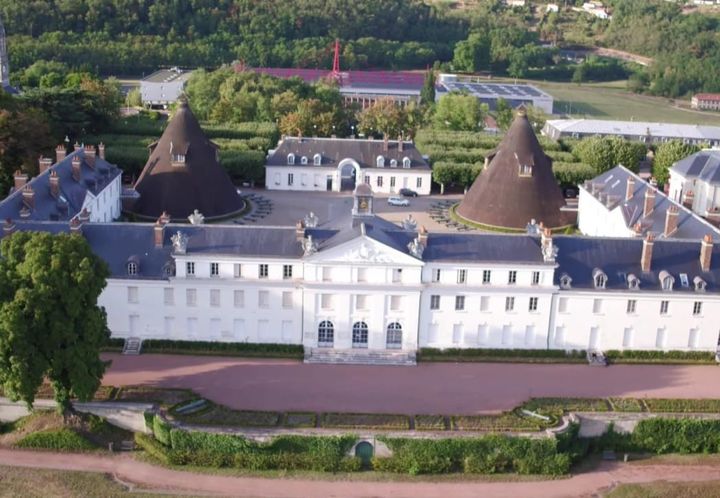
(695, 182)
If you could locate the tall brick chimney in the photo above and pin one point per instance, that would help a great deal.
(629, 188)
(164, 218)
(84, 216)
(76, 168)
(44, 164)
(28, 196)
(77, 147)
(647, 249)
(706, 247)
(649, 203)
(385, 143)
(20, 179)
(159, 233)
(101, 151)
(60, 153)
(75, 225)
(671, 221)
(400, 143)
(89, 151)
(54, 184)
(423, 236)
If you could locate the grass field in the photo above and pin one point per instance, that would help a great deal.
(611, 100)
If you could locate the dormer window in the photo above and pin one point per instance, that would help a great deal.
(393, 163)
(599, 278)
(565, 281)
(291, 158)
(132, 268)
(380, 162)
(317, 159)
(169, 269)
(700, 284)
(666, 281)
(303, 160)
(633, 282)
(178, 159)
(406, 162)
(525, 170)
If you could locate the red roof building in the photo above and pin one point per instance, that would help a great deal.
(708, 101)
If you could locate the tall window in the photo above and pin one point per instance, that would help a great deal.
(484, 303)
(361, 302)
(360, 335)
(191, 297)
(326, 334)
(362, 274)
(509, 303)
(459, 303)
(396, 303)
(697, 308)
(533, 304)
(461, 276)
(326, 301)
(169, 296)
(287, 299)
(512, 276)
(239, 299)
(287, 271)
(535, 278)
(190, 269)
(237, 270)
(263, 299)
(631, 306)
(392, 182)
(664, 305)
(379, 181)
(397, 275)
(291, 177)
(418, 183)
(486, 277)
(436, 275)
(434, 302)
(132, 295)
(215, 298)
(597, 305)
(394, 336)
(214, 269)
(263, 271)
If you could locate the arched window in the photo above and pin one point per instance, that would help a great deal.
(565, 281)
(360, 335)
(699, 284)
(317, 159)
(393, 163)
(666, 280)
(406, 162)
(394, 336)
(169, 269)
(380, 162)
(291, 158)
(633, 282)
(326, 334)
(599, 278)
(132, 268)
(303, 160)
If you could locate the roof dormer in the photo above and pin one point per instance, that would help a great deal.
(633, 282)
(700, 284)
(317, 159)
(599, 278)
(380, 161)
(291, 158)
(667, 281)
(565, 281)
(303, 160)
(406, 162)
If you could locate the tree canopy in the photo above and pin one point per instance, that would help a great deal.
(385, 117)
(666, 155)
(459, 112)
(50, 324)
(604, 153)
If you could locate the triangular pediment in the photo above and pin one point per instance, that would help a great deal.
(363, 249)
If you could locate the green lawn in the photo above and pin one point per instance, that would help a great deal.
(611, 100)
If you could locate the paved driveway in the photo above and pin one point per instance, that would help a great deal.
(427, 388)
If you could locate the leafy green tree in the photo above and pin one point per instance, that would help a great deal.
(473, 54)
(50, 324)
(444, 174)
(604, 153)
(384, 117)
(133, 98)
(427, 94)
(503, 114)
(458, 112)
(668, 154)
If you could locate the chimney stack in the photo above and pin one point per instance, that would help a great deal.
(300, 230)
(164, 218)
(647, 249)
(20, 179)
(629, 188)
(546, 245)
(90, 155)
(28, 196)
(54, 184)
(385, 143)
(706, 247)
(84, 216)
(649, 204)
(76, 168)
(75, 225)
(400, 143)
(671, 220)
(44, 164)
(101, 151)
(8, 227)
(423, 236)
(60, 153)
(159, 233)
(77, 147)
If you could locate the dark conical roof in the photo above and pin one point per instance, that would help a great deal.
(178, 188)
(517, 185)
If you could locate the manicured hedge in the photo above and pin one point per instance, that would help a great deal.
(223, 348)
(162, 430)
(113, 344)
(616, 356)
(365, 421)
(153, 447)
(664, 435)
(486, 455)
(479, 354)
(149, 420)
(59, 440)
(683, 405)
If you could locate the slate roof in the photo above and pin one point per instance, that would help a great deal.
(619, 257)
(634, 128)
(501, 197)
(200, 183)
(703, 165)
(392, 81)
(613, 183)
(167, 75)
(72, 192)
(334, 150)
(483, 247)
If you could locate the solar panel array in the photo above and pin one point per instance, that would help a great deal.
(504, 90)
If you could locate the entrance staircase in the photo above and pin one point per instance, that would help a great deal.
(359, 357)
(132, 345)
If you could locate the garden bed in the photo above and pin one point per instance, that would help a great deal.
(365, 421)
(507, 422)
(214, 414)
(430, 423)
(299, 419)
(149, 394)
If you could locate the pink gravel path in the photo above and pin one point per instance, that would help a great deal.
(145, 475)
(428, 388)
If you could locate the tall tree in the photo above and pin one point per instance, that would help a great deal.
(473, 54)
(427, 94)
(50, 324)
(458, 112)
(384, 117)
(668, 154)
(503, 114)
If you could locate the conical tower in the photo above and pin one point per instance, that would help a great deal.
(517, 185)
(184, 174)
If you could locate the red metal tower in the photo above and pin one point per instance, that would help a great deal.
(336, 60)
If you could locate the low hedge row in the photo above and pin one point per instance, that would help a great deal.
(476, 354)
(617, 356)
(683, 405)
(59, 440)
(153, 447)
(113, 344)
(269, 350)
(484, 455)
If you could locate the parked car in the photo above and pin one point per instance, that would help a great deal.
(406, 192)
(398, 201)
